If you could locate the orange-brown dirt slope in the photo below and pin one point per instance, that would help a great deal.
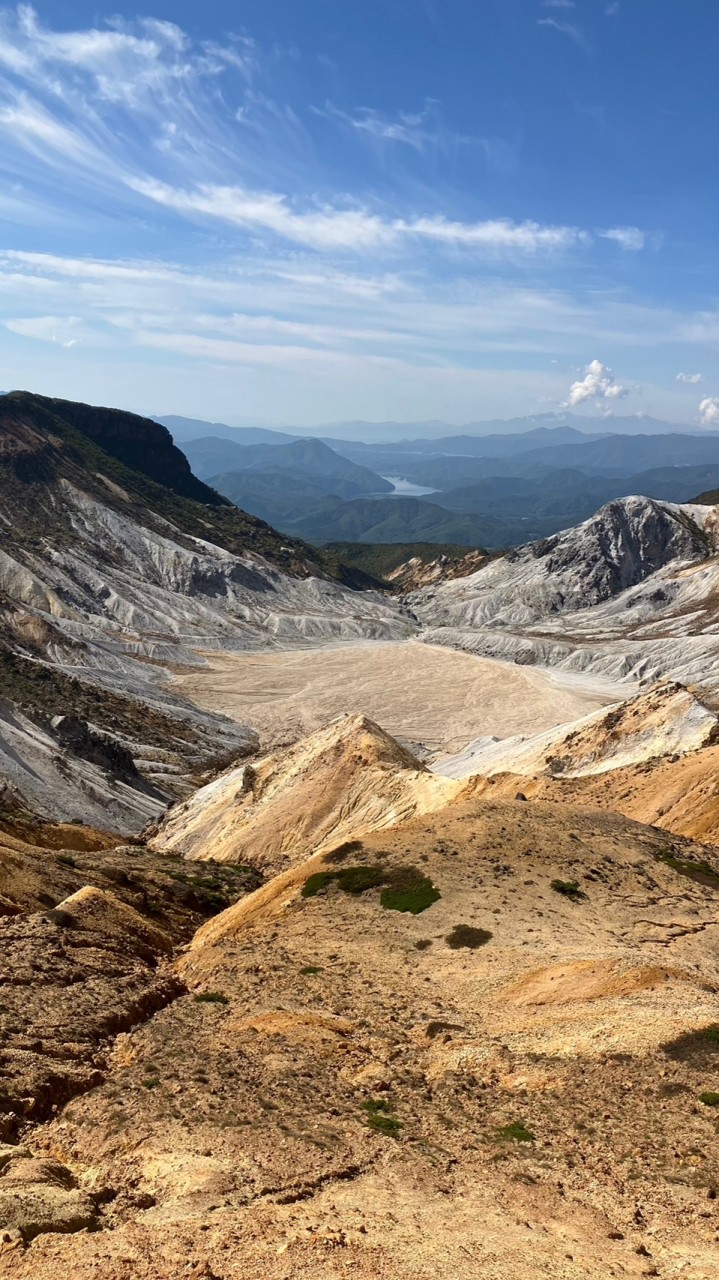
(679, 793)
(481, 1044)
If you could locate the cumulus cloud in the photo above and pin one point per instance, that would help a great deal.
(709, 411)
(630, 238)
(598, 383)
(690, 378)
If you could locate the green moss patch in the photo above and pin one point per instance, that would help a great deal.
(709, 1099)
(211, 997)
(406, 888)
(516, 1132)
(360, 879)
(568, 889)
(311, 969)
(700, 871)
(464, 935)
(317, 883)
(381, 1118)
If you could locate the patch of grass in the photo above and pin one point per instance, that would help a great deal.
(569, 889)
(709, 1099)
(464, 935)
(359, 879)
(310, 969)
(152, 1083)
(516, 1132)
(316, 883)
(408, 890)
(381, 1118)
(702, 872)
(211, 997)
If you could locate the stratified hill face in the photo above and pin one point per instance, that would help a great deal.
(106, 576)
(629, 594)
(344, 780)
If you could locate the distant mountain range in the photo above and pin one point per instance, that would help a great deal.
(495, 489)
(434, 429)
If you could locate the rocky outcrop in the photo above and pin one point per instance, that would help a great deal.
(333, 786)
(666, 721)
(623, 544)
(629, 595)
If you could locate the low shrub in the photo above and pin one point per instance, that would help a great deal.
(464, 935)
(359, 879)
(408, 890)
(569, 889)
(211, 997)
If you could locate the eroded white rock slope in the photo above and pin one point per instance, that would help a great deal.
(117, 607)
(631, 594)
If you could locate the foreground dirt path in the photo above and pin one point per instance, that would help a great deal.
(422, 693)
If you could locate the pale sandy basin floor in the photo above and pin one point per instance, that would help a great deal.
(426, 694)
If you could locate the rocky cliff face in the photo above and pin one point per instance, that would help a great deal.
(630, 594)
(623, 544)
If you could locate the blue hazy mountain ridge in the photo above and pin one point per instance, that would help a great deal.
(184, 429)
(396, 432)
(499, 512)
(311, 459)
(495, 490)
(611, 455)
(569, 493)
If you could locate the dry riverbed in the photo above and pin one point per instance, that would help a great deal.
(420, 693)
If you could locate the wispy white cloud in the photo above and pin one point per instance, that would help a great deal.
(709, 411)
(61, 330)
(416, 129)
(130, 115)
(691, 378)
(569, 29)
(597, 384)
(558, 4)
(631, 239)
(330, 227)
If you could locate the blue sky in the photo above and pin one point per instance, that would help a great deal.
(305, 210)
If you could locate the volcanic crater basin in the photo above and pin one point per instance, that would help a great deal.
(423, 694)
